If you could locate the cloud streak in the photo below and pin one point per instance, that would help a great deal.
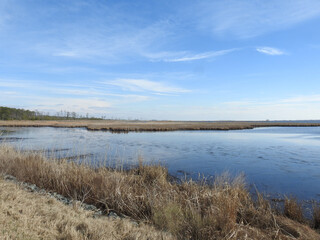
(200, 56)
(302, 99)
(270, 51)
(70, 91)
(142, 85)
(291, 101)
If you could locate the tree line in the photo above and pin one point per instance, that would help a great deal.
(7, 113)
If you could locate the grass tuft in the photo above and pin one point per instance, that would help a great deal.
(293, 210)
(316, 216)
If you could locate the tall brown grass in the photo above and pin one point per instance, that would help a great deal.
(293, 210)
(189, 210)
(25, 215)
(316, 216)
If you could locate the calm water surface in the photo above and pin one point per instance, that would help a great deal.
(283, 160)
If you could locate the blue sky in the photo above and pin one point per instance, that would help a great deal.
(178, 60)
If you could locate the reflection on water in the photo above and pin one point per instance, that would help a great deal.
(277, 160)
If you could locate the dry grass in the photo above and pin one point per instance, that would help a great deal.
(25, 215)
(127, 126)
(316, 216)
(190, 210)
(293, 210)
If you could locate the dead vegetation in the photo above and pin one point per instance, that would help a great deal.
(25, 215)
(316, 216)
(293, 210)
(138, 126)
(188, 210)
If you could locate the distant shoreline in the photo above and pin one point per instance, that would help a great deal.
(155, 126)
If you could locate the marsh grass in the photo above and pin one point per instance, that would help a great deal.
(293, 209)
(124, 126)
(25, 215)
(189, 210)
(316, 216)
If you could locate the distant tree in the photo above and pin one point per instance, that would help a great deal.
(7, 113)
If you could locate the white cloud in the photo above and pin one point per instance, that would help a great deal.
(65, 54)
(9, 93)
(139, 85)
(54, 104)
(69, 90)
(302, 99)
(300, 108)
(78, 105)
(270, 51)
(200, 56)
(245, 19)
(94, 92)
(294, 108)
(12, 83)
(163, 55)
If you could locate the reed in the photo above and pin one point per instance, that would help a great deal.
(189, 210)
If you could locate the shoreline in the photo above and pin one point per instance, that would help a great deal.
(124, 126)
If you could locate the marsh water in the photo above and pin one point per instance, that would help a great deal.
(284, 160)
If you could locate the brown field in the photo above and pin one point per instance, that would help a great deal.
(137, 126)
(187, 210)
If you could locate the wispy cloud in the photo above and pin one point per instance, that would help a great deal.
(302, 99)
(9, 93)
(120, 42)
(116, 44)
(138, 85)
(98, 92)
(66, 53)
(270, 51)
(78, 105)
(87, 91)
(53, 104)
(200, 56)
(245, 19)
(291, 101)
(294, 108)
(106, 33)
(12, 83)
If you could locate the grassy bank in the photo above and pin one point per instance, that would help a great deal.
(25, 215)
(189, 210)
(137, 126)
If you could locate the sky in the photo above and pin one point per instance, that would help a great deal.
(164, 60)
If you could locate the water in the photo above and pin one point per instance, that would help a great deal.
(281, 160)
